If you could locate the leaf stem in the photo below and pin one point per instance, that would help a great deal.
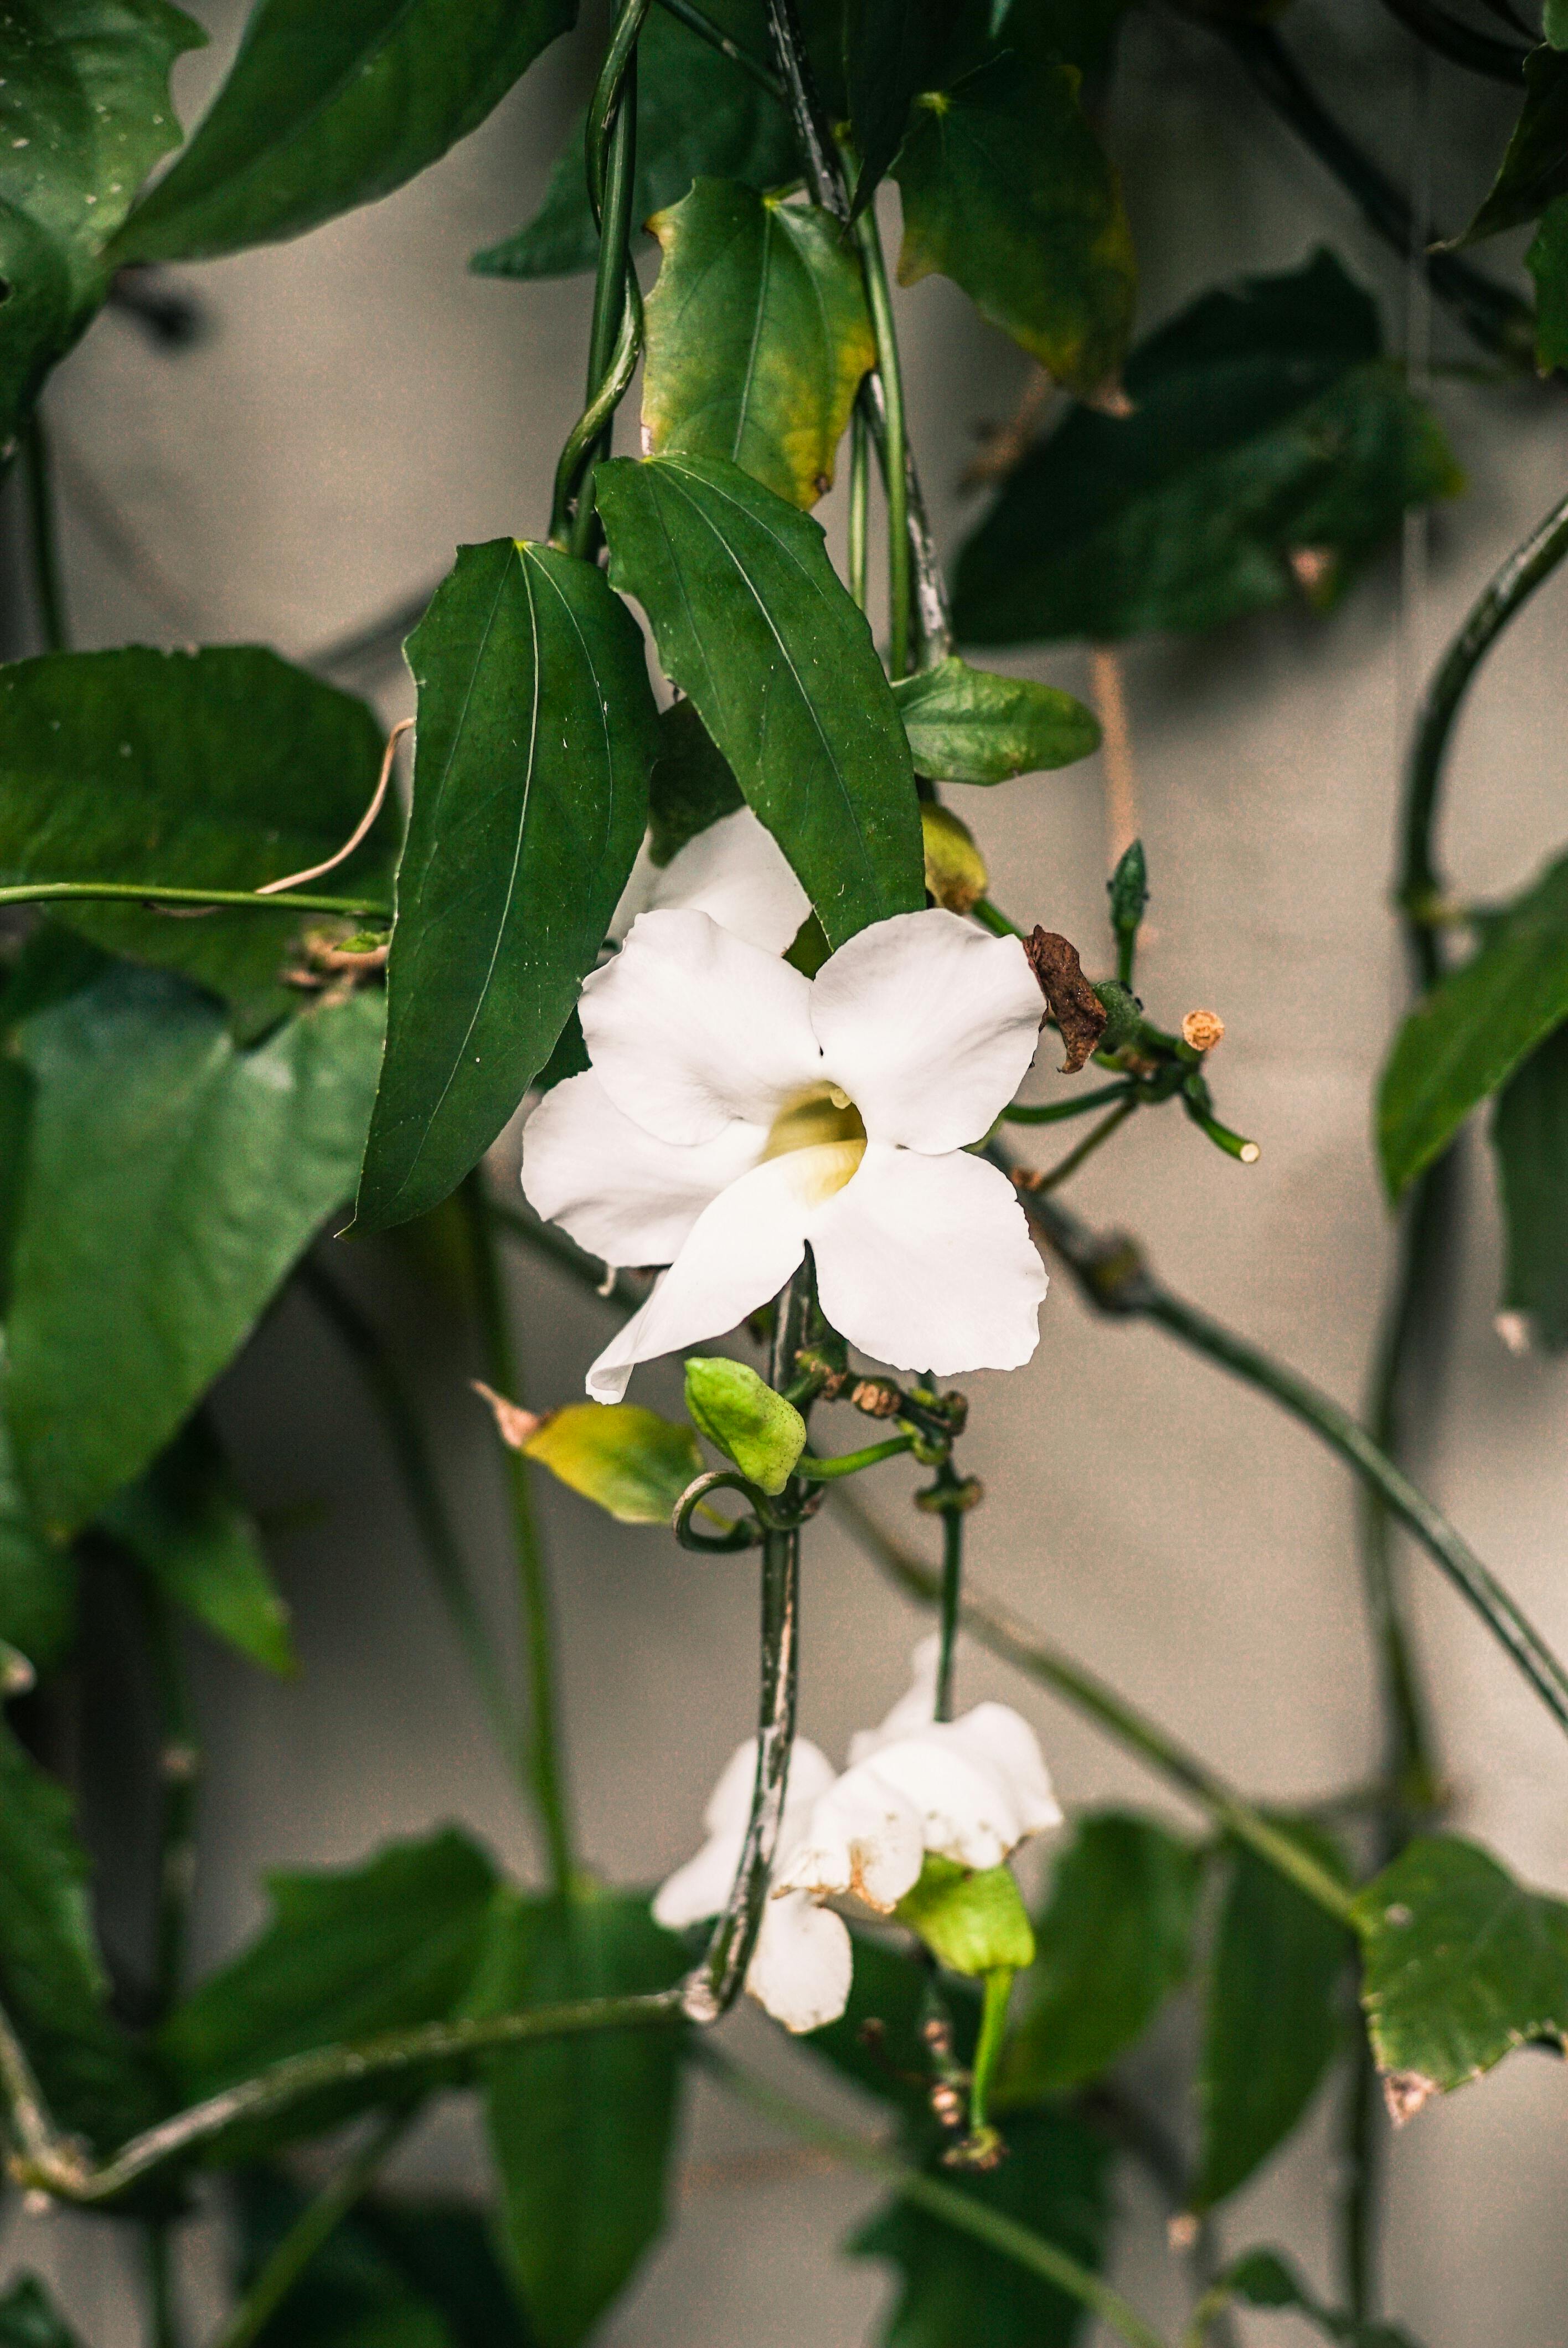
(859, 501)
(952, 1592)
(1057, 1112)
(1065, 1166)
(813, 1467)
(610, 159)
(314, 2225)
(154, 895)
(38, 481)
(1111, 1275)
(162, 2311)
(965, 2212)
(890, 375)
(714, 1987)
(547, 1768)
(996, 1628)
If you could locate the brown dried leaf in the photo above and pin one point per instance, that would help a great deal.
(1074, 1005)
(515, 1425)
(1405, 2092)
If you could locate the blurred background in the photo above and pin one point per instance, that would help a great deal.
(355, 406)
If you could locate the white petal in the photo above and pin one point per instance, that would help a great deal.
(803, 1963)
(995, 1734)
(864, 1838)
(741, 1251)
(738, 875)
(620, 1193)
(701, 1888)
(967, 1810)
(927, 1263)
(928, 1027)
(689, 1028)
(914, 1711)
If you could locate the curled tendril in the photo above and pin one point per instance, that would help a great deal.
(764, 1517)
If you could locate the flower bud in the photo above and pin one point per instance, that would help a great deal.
(956, 872)
(1202, 1030)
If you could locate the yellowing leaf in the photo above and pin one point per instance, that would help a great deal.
(629, 1461)
(956, 872)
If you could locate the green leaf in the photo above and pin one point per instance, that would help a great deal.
(1534, 168)
(348, 1952)
(1271, 450)
(443, 2249)
(172, 1181)
(954, 2292)
(742, 1416)
(188, 1525)
(325, 108)
(758, 337)
(52, 1982)
(698, 116)
(753, 623)
(1007, 191)
(1459, 1964)
(690, 784)
(37, 1577)
(892, 49)
(972, 1921)
(1264, 2279)
(582, 2125)
(1272, 2019)
(1466, 1038)
(390, 2275)
(629, 1461)
(530, 798)
(1113, 1944)
(220, 769)
(85, 114)
(29, 2318)
(1547, 261)
(1530, 1135)
(1554, 23)
(970, 726)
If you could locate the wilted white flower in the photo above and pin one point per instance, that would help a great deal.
(734, 871)
(970, 1790)
(736, 1112)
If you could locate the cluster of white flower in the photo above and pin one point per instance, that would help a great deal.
(970, 1790)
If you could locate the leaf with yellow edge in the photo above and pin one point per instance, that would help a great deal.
(972, 1921)
(629, 1461)
(758, 337)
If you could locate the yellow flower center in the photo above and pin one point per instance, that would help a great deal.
(825, 1120)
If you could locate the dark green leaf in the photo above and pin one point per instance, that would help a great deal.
(1459, 1964)
(1547, 261)
(758, 336)
(953, 2291)
(52, 1983)
(753, 623)
(581, 2126)
(690, 784)
(697, 114)
(221, 769)
(84, 113)
(1530, 1134)
(1271, 449)
(970, 726)
(348, 1952)
(530, 798)
(329, 108)
(29, 2318)
(1272, 2019)
(189, 1527)
(37, 1577)
(1113, 1945)
(891, 49)
(172, 1181)
(1534, 169)
(876, 2040)
(443, 2249)
(1007, 191)
(1080, 33)
(1466, 1038)
(1264, 2279)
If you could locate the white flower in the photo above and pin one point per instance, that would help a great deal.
(734, 871)
(800, 1967)
(735, 1112)
(970, 1789)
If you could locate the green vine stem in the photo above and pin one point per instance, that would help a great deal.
(952, 1503)
(995, 1627)
(860, 502)
(154, 897)
(890, 375)
(813, 1468)
(1113, 1276)
(546, 1771)
(394, 1406)
(180, 1778)
(717, 1981)
(1057, 1112)
(938, 2198)
(38, 481)
(314, 2225)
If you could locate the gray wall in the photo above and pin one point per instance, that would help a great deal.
(361, 406)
